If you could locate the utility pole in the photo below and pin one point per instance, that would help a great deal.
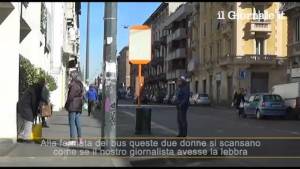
(87, 43)
(109, 87)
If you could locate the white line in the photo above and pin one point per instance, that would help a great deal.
(146, 105)
(154, 124)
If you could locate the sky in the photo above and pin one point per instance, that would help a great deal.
(129, 13)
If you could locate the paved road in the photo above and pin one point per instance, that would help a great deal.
(221, 122)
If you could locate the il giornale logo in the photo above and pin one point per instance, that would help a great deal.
(233, 15)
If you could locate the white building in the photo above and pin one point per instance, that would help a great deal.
(46, 34)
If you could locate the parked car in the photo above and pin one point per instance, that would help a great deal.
(202, 99)
(261, 105)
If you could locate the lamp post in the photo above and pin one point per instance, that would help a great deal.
(109, 101)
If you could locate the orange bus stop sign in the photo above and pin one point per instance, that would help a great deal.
(140, 44)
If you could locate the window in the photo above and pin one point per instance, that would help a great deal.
(204, 53)
(204, 29)
(272, 98)
(297, 29)
(259, 46)
(211, 52)
(229, 46)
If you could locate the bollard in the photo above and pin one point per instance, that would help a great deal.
(143, 120)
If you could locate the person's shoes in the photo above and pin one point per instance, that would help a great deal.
(45, 125)
(25, 141)
(80, 142)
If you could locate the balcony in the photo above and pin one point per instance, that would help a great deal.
(177, 54)
(294, 48)
(248, 60)
(257, 26)
(179, 34)
(181, 12)
(157, 61)
(175, 74)
(289, 6)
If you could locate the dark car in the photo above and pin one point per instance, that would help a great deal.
(262, 105)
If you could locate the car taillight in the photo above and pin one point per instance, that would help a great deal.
(263, 104)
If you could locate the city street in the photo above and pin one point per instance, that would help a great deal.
(218, 122)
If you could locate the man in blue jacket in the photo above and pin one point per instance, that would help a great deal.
(91, 95)
(182, 96)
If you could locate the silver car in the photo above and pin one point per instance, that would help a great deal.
(203, 99)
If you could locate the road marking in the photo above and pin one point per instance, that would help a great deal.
(146, 105)
(154, 124)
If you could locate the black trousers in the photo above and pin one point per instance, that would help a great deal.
(182, 120)
(90, 107)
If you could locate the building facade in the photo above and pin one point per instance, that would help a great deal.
(156, 72)
(240, 50)
(36, 31)
(123, 69)
(178, 44)
(292, 11)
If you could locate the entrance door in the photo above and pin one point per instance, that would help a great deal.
(229, 88)
(218, 90)
(259, 82)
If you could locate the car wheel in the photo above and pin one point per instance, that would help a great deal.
(258, 115)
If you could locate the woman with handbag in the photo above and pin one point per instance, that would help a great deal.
(239, 101)
(27, 111)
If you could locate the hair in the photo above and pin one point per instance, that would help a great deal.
(74, 75)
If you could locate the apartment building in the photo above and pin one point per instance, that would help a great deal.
(292, 11)
(123, 69)
(37, 31)
(178, 44)
(239, 49)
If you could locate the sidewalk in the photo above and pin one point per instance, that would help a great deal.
(20, 154)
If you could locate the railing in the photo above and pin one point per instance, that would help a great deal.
(290, 5)
(294, 48)
(260, 26)
(180, 33)
(248, 59)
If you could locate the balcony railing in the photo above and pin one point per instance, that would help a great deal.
(175, 73)
(177, 54)
(294, 48)
(290, 6)
(248, 59)
(263, 26)
(179, 34)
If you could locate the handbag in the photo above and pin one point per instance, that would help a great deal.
(46, 110)
(36, 132)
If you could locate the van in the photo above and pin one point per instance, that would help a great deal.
(290, 92)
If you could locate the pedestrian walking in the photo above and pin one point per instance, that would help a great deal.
(27, 110)
(182, 100)
(74, 105)
(92, 97)
(239, 100)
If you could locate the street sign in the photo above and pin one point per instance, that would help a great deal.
(140, 44)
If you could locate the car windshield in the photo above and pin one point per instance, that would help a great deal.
(272, 98)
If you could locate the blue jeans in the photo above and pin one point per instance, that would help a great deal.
(74, 122)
